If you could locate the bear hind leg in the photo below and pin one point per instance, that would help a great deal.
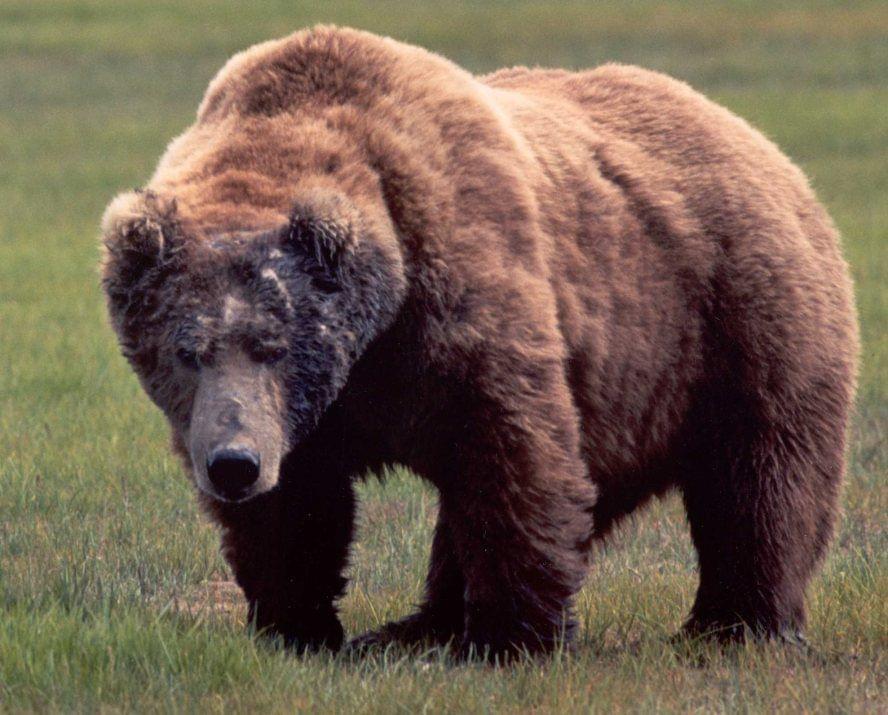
(761, 504)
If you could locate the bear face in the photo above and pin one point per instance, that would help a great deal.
(244, 337)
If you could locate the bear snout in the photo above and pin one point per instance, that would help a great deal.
(236, 432)
(233, 471)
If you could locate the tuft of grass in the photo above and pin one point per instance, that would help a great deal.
(112, 590)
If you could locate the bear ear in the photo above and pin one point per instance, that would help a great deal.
(323, 235)
(137, 233)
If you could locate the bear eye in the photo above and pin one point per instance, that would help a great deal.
(188, 358)
(325, 283)
(267, 354)
(276, 354)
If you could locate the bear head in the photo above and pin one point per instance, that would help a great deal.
(245, 337)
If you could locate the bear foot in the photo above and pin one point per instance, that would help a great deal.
(417, 629)
(741, 633)
(324, 634)
(499, 640)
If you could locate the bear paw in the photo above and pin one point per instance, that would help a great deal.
(418, 629)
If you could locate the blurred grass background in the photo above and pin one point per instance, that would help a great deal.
(110, 582)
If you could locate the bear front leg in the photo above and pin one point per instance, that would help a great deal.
(520, 504)
(287, 552)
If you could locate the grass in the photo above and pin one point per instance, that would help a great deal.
(109, 579)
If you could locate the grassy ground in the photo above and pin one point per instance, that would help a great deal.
(112, 592)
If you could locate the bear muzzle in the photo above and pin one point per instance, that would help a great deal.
(236, 437)
(233, 471)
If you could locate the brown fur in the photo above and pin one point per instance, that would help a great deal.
(611, 287)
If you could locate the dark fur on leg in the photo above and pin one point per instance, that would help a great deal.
(523, 503)
(287, 550)
(761, 506)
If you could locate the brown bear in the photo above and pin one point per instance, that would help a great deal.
(552, 294)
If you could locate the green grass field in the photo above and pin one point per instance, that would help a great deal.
(111, 593)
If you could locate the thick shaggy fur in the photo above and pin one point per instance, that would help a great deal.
(601, 286)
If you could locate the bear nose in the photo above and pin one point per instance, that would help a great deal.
(232, 471)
